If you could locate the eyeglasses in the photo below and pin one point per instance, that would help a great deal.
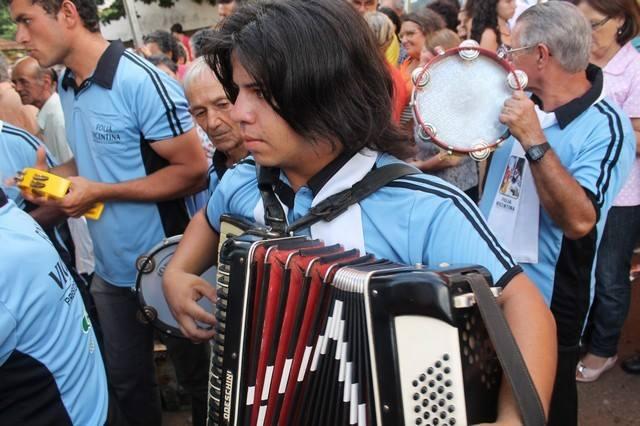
(508, 53)
(600, 23)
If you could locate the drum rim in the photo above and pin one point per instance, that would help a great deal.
(156, 323)
(440, 57)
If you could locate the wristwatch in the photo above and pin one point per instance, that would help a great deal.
(536, 152)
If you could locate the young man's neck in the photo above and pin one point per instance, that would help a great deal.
(85, 55)
(310, 163)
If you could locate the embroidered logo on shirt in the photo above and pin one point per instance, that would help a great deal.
(104, 134)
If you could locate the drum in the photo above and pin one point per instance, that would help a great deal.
(458, 97)
(153, 305)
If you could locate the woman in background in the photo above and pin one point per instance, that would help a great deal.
(413, 34)
(614, 23)
(489, 25)
(384, 34)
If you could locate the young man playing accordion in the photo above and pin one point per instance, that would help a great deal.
(312, 95)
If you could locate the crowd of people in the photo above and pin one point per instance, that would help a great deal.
(169, 136)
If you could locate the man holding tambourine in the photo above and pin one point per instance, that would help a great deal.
(578, 148)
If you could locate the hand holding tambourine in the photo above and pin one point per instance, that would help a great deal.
(458, 98)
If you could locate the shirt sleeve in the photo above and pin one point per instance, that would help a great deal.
(161, 108)
(8, 339)
(605, 157)
(236, 194)
(457, 235)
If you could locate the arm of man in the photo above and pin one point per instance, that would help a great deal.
(185, 174)
(458, 235)
(181, 282)
(437, 162)
(562, 197)
(47, 216)
(521, 301)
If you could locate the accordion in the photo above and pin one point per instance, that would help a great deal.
(319, 335)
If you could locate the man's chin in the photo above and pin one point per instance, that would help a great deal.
(227, 146)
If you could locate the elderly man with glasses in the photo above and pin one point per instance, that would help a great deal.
(578, 148)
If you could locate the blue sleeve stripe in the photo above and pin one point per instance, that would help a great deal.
(472, 209)
(169, 105)
(468, 210)
(29, 139)
(614, 148)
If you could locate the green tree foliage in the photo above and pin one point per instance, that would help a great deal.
(7, 27)
(116, 10)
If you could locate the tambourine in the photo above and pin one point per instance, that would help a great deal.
(458, 97)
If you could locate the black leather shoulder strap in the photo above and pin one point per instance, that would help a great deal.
(274, 216)
(513, 366)
(335, 205)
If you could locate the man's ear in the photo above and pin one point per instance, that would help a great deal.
(544, 54)
(69, 13)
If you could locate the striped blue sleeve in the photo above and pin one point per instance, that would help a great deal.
(161, 106)
(606, 157)
(236, 194)
(455, 232)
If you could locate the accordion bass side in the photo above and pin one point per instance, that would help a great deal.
(316, 335)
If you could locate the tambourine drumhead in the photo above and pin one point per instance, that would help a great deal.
(153, 304)
(461, 99)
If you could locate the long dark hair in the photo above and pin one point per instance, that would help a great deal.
(484, 15)
(318, 66)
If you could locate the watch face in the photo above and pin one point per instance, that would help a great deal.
(536, 152)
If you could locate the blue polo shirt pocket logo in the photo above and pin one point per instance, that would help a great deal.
(105, 134)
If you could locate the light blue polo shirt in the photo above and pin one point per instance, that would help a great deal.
(17, 151)
(111, 120)
(51, 370)
(595, 143)
(415, 219)
(216, 170)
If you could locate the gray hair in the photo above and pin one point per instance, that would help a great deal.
(562, 28)
(197, 69)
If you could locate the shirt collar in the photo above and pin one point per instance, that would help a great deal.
(105, 69)
(568, 112)
(621, 60)
(315, 183)
(318, 181)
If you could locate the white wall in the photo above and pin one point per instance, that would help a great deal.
(153, 17)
